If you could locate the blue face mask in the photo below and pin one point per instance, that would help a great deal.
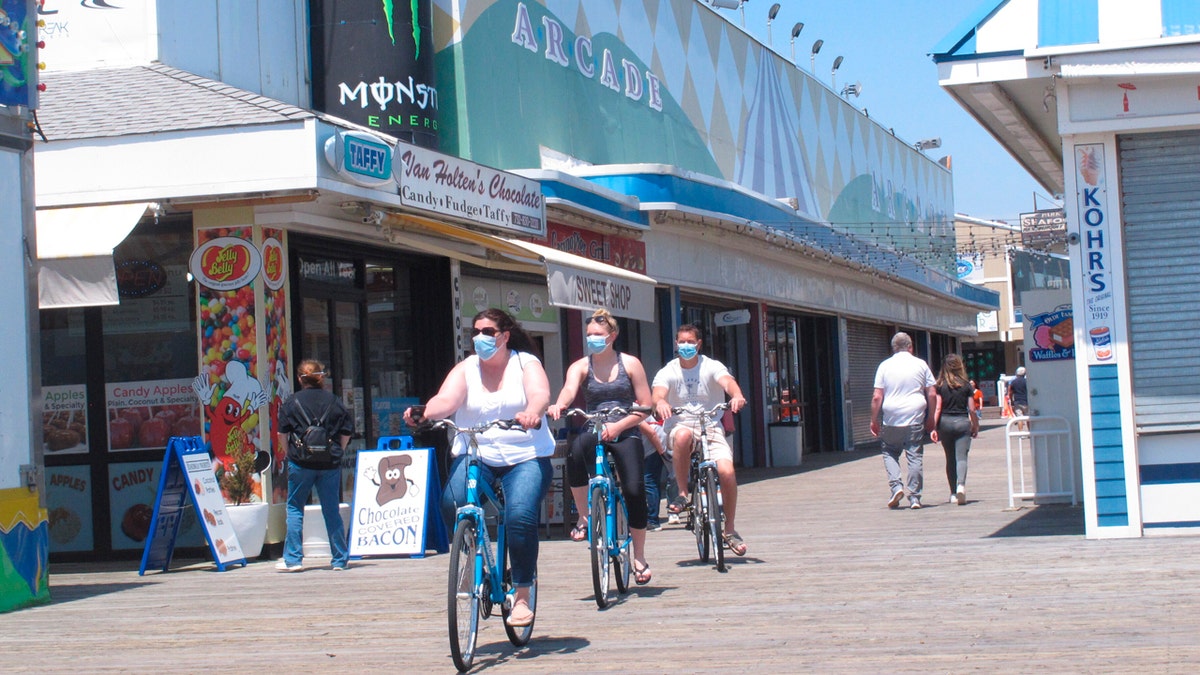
(687, 350)
(485, 347)
(596, 343)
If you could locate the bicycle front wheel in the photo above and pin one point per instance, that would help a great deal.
(462, 595)
(622, 561)
(598, 522)
(715, 517)
(700, 520)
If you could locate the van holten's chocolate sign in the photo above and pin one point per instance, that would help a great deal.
(459, 188)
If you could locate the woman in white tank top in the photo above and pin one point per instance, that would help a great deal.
(502, 380)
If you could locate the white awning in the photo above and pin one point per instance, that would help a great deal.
(74, 250)
(579, 283)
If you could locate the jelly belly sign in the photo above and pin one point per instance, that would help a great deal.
(392, 502)
(225, 263)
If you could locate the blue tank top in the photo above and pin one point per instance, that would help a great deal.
(619, 392)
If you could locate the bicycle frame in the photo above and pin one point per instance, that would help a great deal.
(707, 511)
(485, 562)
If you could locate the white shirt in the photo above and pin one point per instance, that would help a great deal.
(696, 387)
(903, 379)
(499, 447)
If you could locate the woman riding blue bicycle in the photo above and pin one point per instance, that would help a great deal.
(609, 379)
(502, 380)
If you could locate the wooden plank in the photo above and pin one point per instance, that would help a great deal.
(834, 582)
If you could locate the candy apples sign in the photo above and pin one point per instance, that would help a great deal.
(225, 263)
(274, 270)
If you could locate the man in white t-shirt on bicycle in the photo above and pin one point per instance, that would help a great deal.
(694, 380)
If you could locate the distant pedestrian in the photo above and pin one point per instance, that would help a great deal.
(904, 393)
(1018, 394)
(978, 396)
(955, 423)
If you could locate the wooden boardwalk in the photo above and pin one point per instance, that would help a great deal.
(834, 582)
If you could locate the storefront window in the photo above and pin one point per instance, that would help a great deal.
(389, 318)
(150, 342)
(783, 370)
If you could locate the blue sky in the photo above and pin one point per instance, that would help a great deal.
(885, 46)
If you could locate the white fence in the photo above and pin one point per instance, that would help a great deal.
(1041, 459)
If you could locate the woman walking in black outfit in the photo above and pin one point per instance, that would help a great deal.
(955, 423)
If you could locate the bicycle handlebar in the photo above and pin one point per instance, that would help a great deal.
(606, 412)
(448, 423)
(720, 407)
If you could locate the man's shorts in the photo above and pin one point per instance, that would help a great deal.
(1020, 410)
(718, 447)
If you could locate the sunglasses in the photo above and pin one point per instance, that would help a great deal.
(489, 331)
(598, 319)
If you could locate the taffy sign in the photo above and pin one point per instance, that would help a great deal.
(225, 263)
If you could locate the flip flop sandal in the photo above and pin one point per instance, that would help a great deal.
(677, 505)
(579, 532)
(642, 576)
(735, 543)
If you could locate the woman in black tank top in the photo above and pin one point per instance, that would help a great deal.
(608, 378)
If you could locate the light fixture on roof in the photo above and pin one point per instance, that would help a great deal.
(731, 4)
(837, 63)
(928, 144)
(812, 58)
(795, 34)
(771, 14)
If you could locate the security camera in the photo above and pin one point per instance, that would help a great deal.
(373, 217)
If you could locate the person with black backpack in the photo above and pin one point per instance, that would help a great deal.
(316, 427)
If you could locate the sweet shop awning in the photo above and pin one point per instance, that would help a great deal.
(580, 283)
(75, 253)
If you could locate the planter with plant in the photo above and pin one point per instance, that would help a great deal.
(247, 516)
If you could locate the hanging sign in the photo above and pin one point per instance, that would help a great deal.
(396, 502)
(188, 470)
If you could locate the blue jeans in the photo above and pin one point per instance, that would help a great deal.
(654, 484)
(524, 485)
(300, 485)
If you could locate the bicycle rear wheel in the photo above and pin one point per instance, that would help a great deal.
(462, 596)
(622, 560)
(715, 517)
(700, 521)
(598, 523)
(518, 635)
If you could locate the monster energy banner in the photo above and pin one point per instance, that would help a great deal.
(373, 65)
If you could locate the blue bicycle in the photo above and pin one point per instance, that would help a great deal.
(608, 519)
(479, 579)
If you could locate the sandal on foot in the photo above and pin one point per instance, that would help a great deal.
(520, 620)
(677, 505)
(735, 543)
(642, 576)
(579, 532)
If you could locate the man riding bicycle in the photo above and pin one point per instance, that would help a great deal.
(696, 381)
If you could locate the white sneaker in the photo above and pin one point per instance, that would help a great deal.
(960, 495)
(282, 566)
(895, 500)
(953, 499)
(673, 519)
(915, 503)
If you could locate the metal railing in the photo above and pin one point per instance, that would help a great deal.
(1041, 454)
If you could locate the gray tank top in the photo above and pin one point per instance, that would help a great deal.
(619, 392)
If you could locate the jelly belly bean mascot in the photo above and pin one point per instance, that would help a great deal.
(227, 432)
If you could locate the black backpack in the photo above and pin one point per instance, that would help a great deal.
(313, 442)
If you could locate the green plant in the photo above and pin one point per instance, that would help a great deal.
(237, 482)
